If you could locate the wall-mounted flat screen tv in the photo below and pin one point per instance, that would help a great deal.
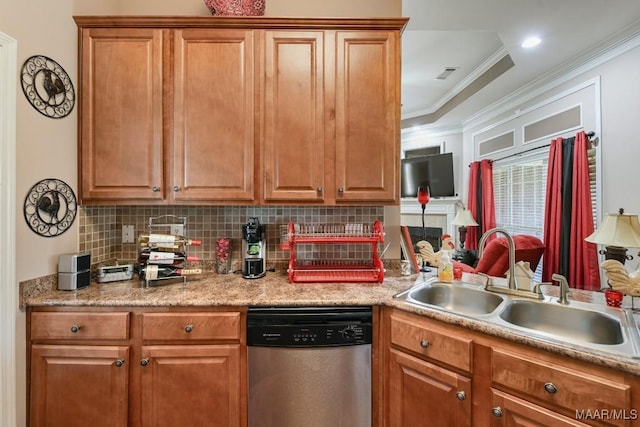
(435, 171)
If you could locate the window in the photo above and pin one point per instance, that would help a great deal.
(519, 186)
(420, 152)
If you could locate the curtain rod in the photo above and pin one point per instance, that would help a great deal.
(590, 135)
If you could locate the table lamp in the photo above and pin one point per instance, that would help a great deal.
(463, 219)
(617, 232)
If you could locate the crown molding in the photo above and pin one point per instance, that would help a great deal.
(604, 53)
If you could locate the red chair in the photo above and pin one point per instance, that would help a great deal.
(495, 257)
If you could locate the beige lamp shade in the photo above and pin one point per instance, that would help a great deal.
(464, 218)
(617, 230)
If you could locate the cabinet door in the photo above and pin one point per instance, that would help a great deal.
(421, 393)
(79, 386)
(213, 122)
(509, 411)
(294, 135)
(367, 88)
(191, 385)
(120, 147)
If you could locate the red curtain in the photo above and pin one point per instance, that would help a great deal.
(553, 212)
(568, 215)
(480, 201)
(583, 262)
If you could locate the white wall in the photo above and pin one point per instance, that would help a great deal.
(619, 111)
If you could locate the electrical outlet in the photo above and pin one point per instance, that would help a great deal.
(127, 234)
(177, 229)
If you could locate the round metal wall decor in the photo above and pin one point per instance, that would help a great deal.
(48, 87)
(50, 207)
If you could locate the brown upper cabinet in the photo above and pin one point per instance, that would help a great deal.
(207, 110)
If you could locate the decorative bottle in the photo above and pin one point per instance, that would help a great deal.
(167, 242)
(165, 258)
(154, 272)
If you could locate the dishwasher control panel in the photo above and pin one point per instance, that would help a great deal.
(303, 329)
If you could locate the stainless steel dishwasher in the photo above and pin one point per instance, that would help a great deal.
(309, 366)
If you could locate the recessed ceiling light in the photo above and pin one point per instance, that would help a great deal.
(531, 42)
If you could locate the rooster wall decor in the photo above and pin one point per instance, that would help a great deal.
(47, 86)
(50, 207)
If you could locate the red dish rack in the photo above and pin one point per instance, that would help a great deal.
(371, 270)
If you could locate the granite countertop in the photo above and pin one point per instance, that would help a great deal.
(275, 290)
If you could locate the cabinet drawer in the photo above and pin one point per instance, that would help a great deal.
(432, 340)
(508, 410)
(81, 326)
(564, 389)
(191, 326)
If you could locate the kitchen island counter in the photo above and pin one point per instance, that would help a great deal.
(274, 289)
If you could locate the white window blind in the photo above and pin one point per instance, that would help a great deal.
(519, 186)
(519, 190)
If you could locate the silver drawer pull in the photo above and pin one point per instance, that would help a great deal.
(176, 188)
(550, 388)
(188, 328)
(119, 363)
(155, 189)
(496, 411)
(144, 362)
(424, 344)
(75, 328)
(461, 395)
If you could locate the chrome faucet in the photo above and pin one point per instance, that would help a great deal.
(564, 288)
(513, 284)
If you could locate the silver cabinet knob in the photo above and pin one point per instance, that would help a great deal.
(176, 188)
(119, 363)
(340, 190)
(461, 395)
(424, 344)
(75, 328)
(188, 328)
(550, 388)
(145, 361)
(319, 189)
(496, 411)
(155, 189)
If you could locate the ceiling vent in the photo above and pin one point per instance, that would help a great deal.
(446, 73)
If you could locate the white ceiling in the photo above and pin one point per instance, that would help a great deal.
(475, 34)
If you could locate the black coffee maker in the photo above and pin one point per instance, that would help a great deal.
(254, 250)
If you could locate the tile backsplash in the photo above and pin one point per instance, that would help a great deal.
(101, 228)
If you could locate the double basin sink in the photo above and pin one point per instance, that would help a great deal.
(593, 326)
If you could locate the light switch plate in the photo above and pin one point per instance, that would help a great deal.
(127, 234)
(177, 229)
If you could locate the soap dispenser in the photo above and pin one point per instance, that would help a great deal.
(445, 271)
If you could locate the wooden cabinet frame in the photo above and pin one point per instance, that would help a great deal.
(512, 376)
(123, 369)
(201, 110)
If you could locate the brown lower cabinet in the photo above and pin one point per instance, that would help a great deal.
(438, 374)
(421, 393)
(164, 367)
(186, 366)
(96, 377)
